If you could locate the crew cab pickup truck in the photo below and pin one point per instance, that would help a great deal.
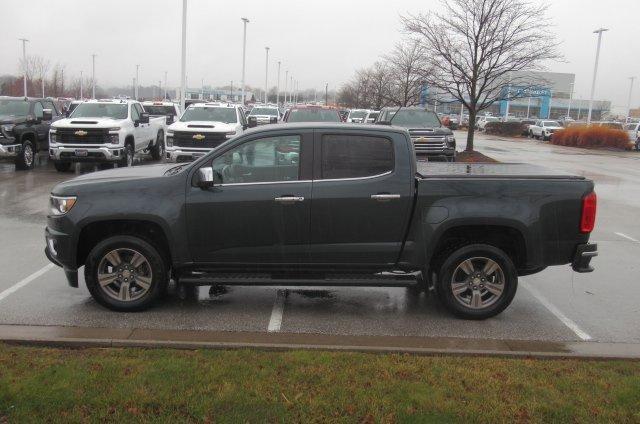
(105, 132)
(264, 115)
(170, 110)
(24, 128)
(201, 128)
(430, 138)
(352, 208)
(543, 129)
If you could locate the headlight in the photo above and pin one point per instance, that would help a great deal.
(61, 205)
(169, 139)
(114, 129)
(8, 127)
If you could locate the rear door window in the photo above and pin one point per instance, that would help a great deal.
(355, 156)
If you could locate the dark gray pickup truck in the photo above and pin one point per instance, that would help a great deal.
(320, 205)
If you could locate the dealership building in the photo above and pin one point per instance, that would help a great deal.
(548, 96)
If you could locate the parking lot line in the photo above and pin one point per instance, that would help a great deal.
(555, 311)
(17, 286)
(276, 313)
(627, 237)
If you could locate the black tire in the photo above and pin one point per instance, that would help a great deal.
(62, 166)
(638, 144)
(157, 151)
(26, 159)
(155, 263)
(476, 251)
(106, 165)
(127, 156)
(530, 134)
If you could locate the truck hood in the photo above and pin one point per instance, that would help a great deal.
(202, 126)
(99, 123)
(11, 119)
(111, 176)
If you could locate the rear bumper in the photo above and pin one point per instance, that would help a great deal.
(93, 154)
(582, 257)
(10, 150)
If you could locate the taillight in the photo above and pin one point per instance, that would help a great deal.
(588, 219)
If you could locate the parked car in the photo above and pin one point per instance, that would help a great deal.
(24, 128)
(371, 116)
(633, 130)
(106, 132)
(165, 108)
(526, 123)
(357, 116)
(311, 114)
(264, 115)
(430, 138)
(482, 122)
(203, 127)
(351, 208)
(543, 129)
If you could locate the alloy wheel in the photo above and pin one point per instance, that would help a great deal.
(124, 274)
(478, 282)
(28, 155)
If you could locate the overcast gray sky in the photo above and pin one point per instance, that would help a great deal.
(317, 41)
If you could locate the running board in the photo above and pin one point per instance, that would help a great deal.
(358, 280)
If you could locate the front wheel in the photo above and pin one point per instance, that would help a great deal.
(127, 156)
(125, 273)
(477, 281)
(26, 157)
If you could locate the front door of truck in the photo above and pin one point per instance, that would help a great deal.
(260, 211)
(362, 195)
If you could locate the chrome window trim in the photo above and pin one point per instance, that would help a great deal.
(356, 178)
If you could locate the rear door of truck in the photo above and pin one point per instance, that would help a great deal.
(362, 194)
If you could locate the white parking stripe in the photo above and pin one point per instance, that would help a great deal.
(276, 313)
(17, 286)
(555, 311)
(627, 237)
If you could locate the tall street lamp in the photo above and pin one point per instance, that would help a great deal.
(266, 75)
(570, 99)
(595, 72)
(183, 67)
(630, 92)
(136, 91)
(24, 64)
(165, 85)
(278, 86)
(93, 76)
(244, 55)
(286, 80)
(81, 78)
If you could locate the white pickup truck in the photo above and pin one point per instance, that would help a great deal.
(203, 127)
(163, 108)
(264, 114)
(633, 129)
(543, 129)
(107, 132)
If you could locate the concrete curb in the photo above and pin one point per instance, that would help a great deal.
(86, 337)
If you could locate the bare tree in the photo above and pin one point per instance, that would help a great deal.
(478, 48)
(408, 65)
(40, 69)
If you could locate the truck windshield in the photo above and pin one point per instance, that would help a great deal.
(358, 114)
(14, 108)
(160, 110)
(414, 118)
(101, 110)
(313, 115)
(217, 114)
(264, 111)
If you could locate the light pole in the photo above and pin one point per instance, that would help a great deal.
(326, 94)
(165, 85)
(529, 106)
(183, 65)
(570, 98)
(244, 54)
(93, 76)
(81, 78)
(629, 102)
(266, 75)
(286, 80)
(136, 91)
(278, 87)
(24, 64)
(595, 72)
(231, 92)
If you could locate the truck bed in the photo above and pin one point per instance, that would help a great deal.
(427, 170)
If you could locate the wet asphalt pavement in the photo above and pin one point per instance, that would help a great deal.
(555, 305)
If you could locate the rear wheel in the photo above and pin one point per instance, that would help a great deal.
(477, 281)
(125, 273)
(638, 144)
(62, 166)
(157, 151)
(26, 157)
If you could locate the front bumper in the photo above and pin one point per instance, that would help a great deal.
(582, 257)
(82, 153)
(59, 250)
(446, 153)
(10, 150)
(182, 154)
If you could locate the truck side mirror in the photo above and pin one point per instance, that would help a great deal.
(169, 119)
(253, 122)
(144, 118)
(47, 115)
(208, 178)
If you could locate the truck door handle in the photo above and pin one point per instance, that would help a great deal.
(385, 197)
(289, 199)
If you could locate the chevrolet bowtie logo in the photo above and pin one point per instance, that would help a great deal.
(422, 139)
(81, 133)
(198, 137)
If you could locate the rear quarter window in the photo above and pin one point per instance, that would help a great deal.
(355, 156)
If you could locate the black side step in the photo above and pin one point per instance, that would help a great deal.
(347, 280)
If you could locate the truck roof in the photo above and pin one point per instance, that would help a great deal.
(214, 104)
(339, 126)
